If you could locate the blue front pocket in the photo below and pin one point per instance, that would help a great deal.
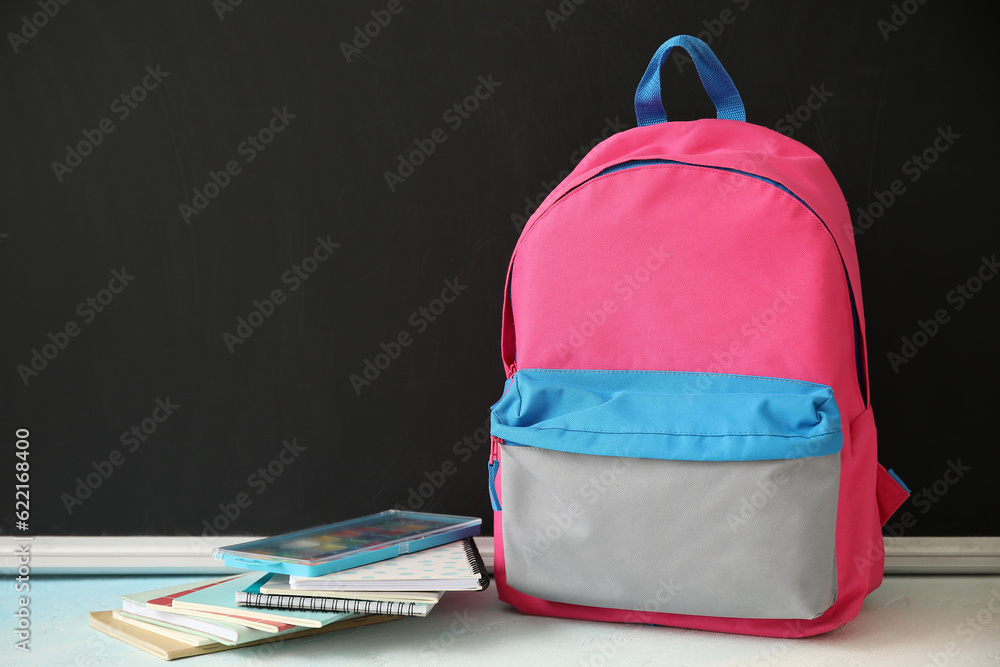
(666, 415)
(722, 488)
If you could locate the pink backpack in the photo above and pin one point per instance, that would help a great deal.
(685, 436)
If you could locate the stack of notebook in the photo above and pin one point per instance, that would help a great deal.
(305, 583)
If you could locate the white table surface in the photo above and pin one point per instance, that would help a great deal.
(911, 621)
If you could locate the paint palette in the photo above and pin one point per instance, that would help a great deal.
(346, 544)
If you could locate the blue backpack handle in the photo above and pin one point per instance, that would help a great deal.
(648, 103)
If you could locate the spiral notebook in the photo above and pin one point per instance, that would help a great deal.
(222, 599)
(277, 584)
(252, 597)
(456, 566)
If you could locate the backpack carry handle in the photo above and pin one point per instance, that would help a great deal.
(648, 102)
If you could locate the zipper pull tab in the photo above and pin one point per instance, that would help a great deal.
(494, 467)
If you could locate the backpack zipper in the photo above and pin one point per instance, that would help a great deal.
(631, 164)
(494, 466)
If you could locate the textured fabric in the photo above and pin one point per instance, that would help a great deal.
(890, 492)
(718, 85)
(679, 416)
(706, 247)
(658, 244)
(750, 539)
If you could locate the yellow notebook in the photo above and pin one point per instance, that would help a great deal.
(183, 637)
(171, 649)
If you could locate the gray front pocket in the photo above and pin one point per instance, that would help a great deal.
(730, 538)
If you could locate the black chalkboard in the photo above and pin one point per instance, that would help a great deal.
(253, 254)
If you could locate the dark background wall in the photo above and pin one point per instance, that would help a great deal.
(207, 231)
